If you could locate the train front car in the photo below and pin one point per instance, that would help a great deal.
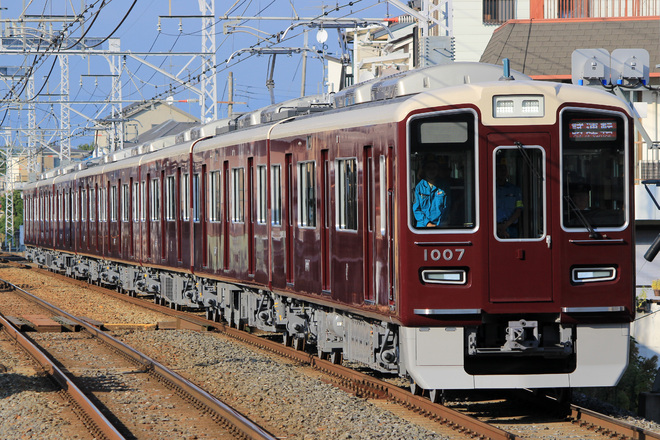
(515, 243)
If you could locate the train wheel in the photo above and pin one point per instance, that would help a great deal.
(415, 389)
(437, 396)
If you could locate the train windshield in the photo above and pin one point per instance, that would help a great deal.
(593, 170)
(442, 171)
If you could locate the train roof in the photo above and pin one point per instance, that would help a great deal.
(396, 96)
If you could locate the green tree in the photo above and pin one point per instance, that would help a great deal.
(18, 213)
(85, 147)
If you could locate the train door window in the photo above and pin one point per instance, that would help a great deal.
(442, 171)
(261, 194)
(170, 199)
(143, 201)
(135, 206)
(307, 194)
(67, 204)
(125, 202)
(215, 196)
(347, 209)
(154, 198)
(594, 170)
(382, 173)
(103, 205)
(92, 204)
(113, 203)
(185, 198)
(519, 192)
(238, 195)
(75, 205)
(83, 204)
(276, 195)
(195, 198)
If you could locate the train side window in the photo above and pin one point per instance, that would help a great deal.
(135, 207)
(154, 198)
(307, 194)
(83, 204)
(125, 202)
(276, 194)
(92, 204)
(238, 195)
(113, 203)
(442, 171)
(185, 198)
(195, 198)
(347, 209)
(103, 207)
(143, 201)
(75, 205)
(170, 199)
(261, 195)
(215, 196)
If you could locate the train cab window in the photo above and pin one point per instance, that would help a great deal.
(261, 195)
(170, 199)
(215, 196)
(593, 170)
(276, 194)
(442, 171)
(154, 199)
(307, 194)
(347, 209)
(519, 192)
(238, 195)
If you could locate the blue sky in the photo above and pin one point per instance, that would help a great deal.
(139, 32)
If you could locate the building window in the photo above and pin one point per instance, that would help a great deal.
(498, 11)
(347, 210)
(307, 194)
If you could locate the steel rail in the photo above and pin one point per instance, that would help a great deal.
(242, 426)
(586, 417)
(95, 420)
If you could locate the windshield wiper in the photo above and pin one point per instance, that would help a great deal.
(582, 218)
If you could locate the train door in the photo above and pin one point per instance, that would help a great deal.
(520, 247)
(325, 227)
(250, 216)
(367, 224)
(288, 208)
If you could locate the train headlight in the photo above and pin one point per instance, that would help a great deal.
(592, 274)
(444, 276)
(518, 106)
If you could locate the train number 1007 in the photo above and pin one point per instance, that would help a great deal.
(443, 254)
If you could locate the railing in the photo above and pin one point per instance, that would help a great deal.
(599, 8)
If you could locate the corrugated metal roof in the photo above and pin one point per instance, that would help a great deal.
(544, 47)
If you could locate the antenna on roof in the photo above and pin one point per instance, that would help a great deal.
(507, 71)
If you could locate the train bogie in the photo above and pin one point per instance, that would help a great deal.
(438, 231)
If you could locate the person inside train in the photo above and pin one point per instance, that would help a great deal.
(509, 204)
(430, 205)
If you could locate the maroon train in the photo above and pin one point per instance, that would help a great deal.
(298, 218)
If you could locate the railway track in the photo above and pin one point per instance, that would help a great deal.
(369, 387)
(111, 382)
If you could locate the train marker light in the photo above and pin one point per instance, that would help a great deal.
(592, 274)
(444, 276)
(518, 106)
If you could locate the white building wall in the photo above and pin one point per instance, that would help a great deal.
(471, 35)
